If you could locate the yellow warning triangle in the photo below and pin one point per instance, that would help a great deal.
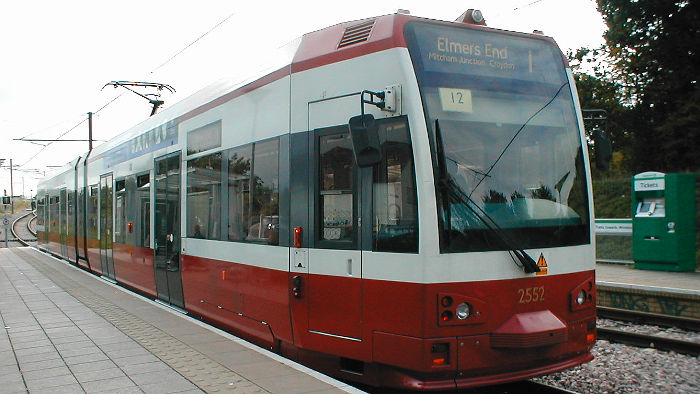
(542, 263)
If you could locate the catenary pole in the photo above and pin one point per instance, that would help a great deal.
(12, 191)
(89, 131)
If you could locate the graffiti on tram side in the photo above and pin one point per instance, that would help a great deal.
(644, 303)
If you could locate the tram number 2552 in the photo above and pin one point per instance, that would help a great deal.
(531, 294)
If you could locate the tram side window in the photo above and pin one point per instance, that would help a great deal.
(51, 217)
(81, 212)
(253, 193)
(120, 213)
(92, 212)
(39, 212)
(204, 197)
(264, 218)
(239, 171)
(70, 211)
(336, 188)
(142, 204)
(204, 138)
(63, 221)
(55, 218)
(137, 213)
(40, 222)
(395, 224)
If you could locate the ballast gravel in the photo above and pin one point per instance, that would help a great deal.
(619, 368)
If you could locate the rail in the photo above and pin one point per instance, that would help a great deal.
(16, 236)
(646, 340)
(29, 224)
(531, 386)
(685, 323)
(650, 341)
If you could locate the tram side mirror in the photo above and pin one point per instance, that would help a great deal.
(365, 140)
(603, 150)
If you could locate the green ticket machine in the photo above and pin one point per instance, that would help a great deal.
(663, 221)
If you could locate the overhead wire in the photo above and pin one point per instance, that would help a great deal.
(47, 145)
(193, 42)
(527, 5)
(121, 94)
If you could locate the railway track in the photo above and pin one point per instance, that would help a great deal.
(30, 226)
(21, 230)
(646, 340)
(656, 319)
(520, 387)
(529, 386)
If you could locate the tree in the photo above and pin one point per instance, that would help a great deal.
(598, 89)
(654, 49)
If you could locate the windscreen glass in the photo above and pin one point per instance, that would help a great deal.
(504, 138)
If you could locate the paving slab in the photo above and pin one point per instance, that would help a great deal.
(67, 331)
(626, 274)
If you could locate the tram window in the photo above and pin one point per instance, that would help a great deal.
(253, 192)
(120, 212)
(204, 138)
(131, 214)
(395, 221)
(336, 188)
(142, 203)
(51, 216)
(40, 211)
(63, 220)
(204, 197)
(70, 212)
(92, 212)
(135, 222)
(239, 171)
(81, 212)
(264, 218)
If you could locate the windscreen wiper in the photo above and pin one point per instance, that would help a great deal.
(451, 191)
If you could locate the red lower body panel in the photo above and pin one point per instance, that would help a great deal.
(133, 267)
(250, 301)
(395, 334)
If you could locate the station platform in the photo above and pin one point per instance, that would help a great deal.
(67, 331)
(672, 293)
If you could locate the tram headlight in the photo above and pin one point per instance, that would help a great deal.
(581, 297)
(463, 311)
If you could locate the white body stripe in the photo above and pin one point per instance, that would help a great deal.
(327, 96)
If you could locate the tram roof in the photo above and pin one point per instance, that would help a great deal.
(313, 49)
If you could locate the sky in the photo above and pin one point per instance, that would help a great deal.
(56, 56)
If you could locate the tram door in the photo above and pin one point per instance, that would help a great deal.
(106, 225)
(167, 230)
(334, 289)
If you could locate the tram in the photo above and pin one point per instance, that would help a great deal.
(403, 202)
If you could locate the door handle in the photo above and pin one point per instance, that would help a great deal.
(350, 267)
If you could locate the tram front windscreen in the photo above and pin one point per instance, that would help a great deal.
(506, 146)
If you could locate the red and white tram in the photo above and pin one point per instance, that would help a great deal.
(404, 202)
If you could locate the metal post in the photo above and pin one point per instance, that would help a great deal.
(89, 131)
(12, 191)
(5, 222)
